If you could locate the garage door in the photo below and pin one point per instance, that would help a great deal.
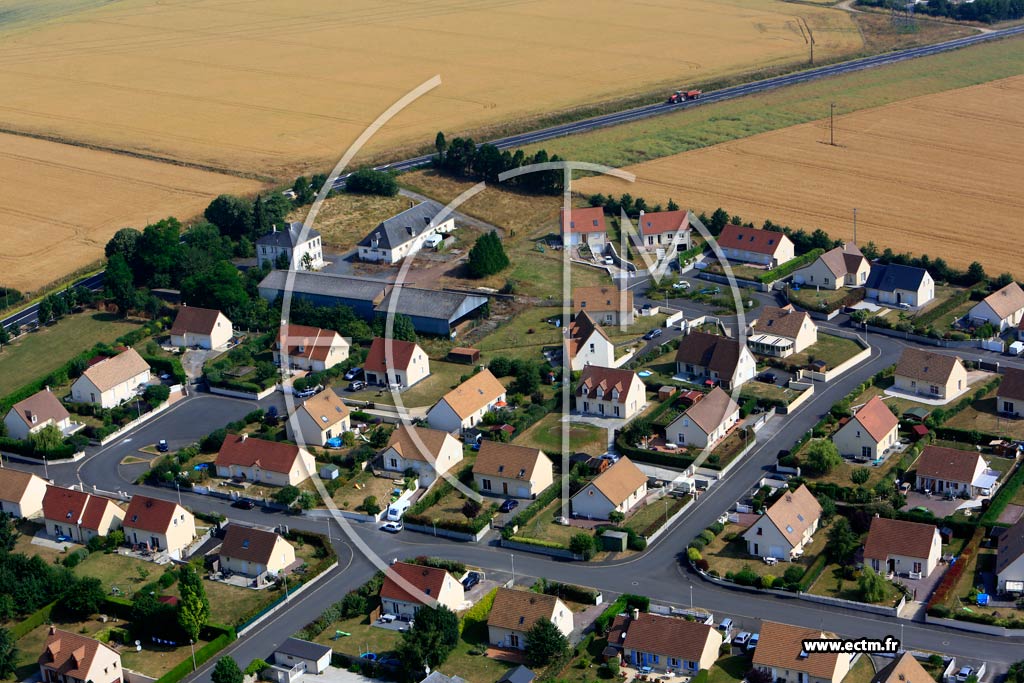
(522, 492)
(776, 551)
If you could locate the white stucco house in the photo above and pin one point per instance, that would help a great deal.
(428, 452)
(301, 251)
(706, 422)
(404, 234)
(516, 611)
(112, 381)
(1003, 309)
(894, 546)
(618, 489)
(871, 431)
(465, 405)
(202, 327)
(785, 527)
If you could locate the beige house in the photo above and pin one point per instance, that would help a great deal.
(610, 392)
(606, 305)
(429, 452)
(1010, 394)
(751, 245)
(664, 231)
(902, 548)
(78, 515)
(202, 327)
(402, 365)
(786, 527)
(663, 643)
(35, 412)
(263, 462)
(111, 381)
(930, 374)
(21, 493)
(843, 266)
(310, 348)
(954, 473)
(780, 653)
(781, 332)
(502, 469)
(871, 431)
(255, 552)
(903, 669)
(159, 525)
(515, 612)
(1002, 309)
(319, 419)
(1010, 560)
(618, 489)
(464, 406)
(300, 251)
(584, 226)
(709, 357)
(706, 422)
(587, 344)
(407, 587)
(73, 658)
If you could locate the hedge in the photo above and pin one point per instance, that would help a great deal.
(954, 573)
(32, 621)
(624, 602)
(812, 573)
(540, 543)
(172, 366)
(533, 509)
(790, 266)
(203, 655)
(63, 452)
(1003, 496)
(568, 591)
(475, 619)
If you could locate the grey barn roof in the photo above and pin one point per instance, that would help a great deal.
(325, 284)
(288, 237)
(429, 303)
(520, 674)
(395, 231)
(303, 649)
(889, 278)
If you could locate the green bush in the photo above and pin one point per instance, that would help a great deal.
(707, 536)
(746, 577)
(693, 554)
(790, 266)
(699, 543)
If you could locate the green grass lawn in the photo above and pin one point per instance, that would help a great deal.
(766, 391)
(543, 527)
(831, 584)
(546, 434)
(829, 348)
(352, 494)
(729, 669)
(861, 672)
(39, 353)
(902, 404)
(817, 300)
(982, 416)
(647, 519)
(514, 338)
(724, 555)
(444, 377)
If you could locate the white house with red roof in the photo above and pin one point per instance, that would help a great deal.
(584, 226)
(159, 525)
(751, 245)
(72, 658)
(706, 423)
(395, 362)
(955, 473)
(407, 587)
(895, 546)
(203, 327)
(263, 462)
(870, 433)
(428, 452)
(669, 231)
(79, 515)
(310, 348)
(610, 392)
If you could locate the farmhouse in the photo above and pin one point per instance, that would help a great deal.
(666, 644)
(431, 311)
(159, 525)
(502, 469)
(428, 452)
(780, 653)
(664, 230)
(300, 251)
(200, 327)
(904, 669)
(1010, 559)
(515, 612)
(606, 305)
(78, 515)
(21, 493)
(870, 433)
(843, 266)
(73, 658)
(715, 359)
(896, 285)
(403, 235)
(1003, 309)
(706, 422)
(930, 374)
(308, 657)
(263, 462)
(36, 412)
(112, 380)
(585, 226)
(1010, 394)
(255, 552)
(587, 344)
(618, 489)
(897, 547)
(610, 392)
(324, 289)
(750, 245)
(786, 527)
(427, 584)
(310, 348)
(781, 332)
(954, 473)
(395, 362)
(319, 419)
(465, 405)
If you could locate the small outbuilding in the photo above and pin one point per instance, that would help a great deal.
(464, 354)
(310, 657)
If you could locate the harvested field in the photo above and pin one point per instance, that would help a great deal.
(909, 167)
(272, 86)
(60, 204)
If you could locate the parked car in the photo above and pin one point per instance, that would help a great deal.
(243, 504)
(471, 579)
(726, 625)
(711, 290)
(164, 376)
(752, 643)
(358, 385)
(682, 284)
(609, 261)
(767, 377)
(353, 373)
(61, 538)
(509, 505)
(371, 656)
(391, 527)
(162, 446)
(741, 639)
(656, 332)
(964, 673)
(306, 393)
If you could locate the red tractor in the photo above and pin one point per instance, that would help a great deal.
(682, 95)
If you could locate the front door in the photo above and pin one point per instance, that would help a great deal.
(513, 640)
(504, 487)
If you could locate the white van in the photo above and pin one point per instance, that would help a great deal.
(396, 510)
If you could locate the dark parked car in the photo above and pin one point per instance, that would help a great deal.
(243, 504)
(162, 446)
(767, 377)
(472, 579)
(509, 505)
(358, 385)
(656, 332)
(353, 373)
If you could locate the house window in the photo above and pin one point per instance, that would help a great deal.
(760, 531)
(486, 484)
(592, 349)
(616, 409)
(935, 390)
(394, 462)
(865, 451)
(917, 566)
(692, 666)
(513, 639)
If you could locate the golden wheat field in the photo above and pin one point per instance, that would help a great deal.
(937, 174)
(275, 86)
(60, 204)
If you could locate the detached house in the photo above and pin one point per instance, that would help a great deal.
(706, 422)
(780, 653)
(255, 552)
(786, 527)
(584, 226)
(618, 489)
(587, 344)
(319, 419)
(465, 405)
(666, 644)
(429, 452)
(751, 245)
(515, 612)
(73, 658)
(1003, 309)
(933, 375)
(404, 234)
(36, 412)
(263, 462)
(79, 515)
(781, 332)
(715, 359)
(605, 305)
(896, 285)
(502, 469)
(202, 327)
(427, 584)
(21, 493)
(395, 362)
(664, 230)
(1010, 394)
(954, 473)
(111, 381)
(160, 525)
(1010, 560)
(871, 431)
(610, 392)
(300, 251)
(843, 266)
(310, 348)
(897, 547)
(903, 669)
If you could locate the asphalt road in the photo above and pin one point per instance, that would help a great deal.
(30, 314)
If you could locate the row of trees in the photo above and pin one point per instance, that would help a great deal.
(239, 218)
(986, 11)
(464, 159)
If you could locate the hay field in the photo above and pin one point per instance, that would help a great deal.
(271, 87)
(60, 204)
(937, 174)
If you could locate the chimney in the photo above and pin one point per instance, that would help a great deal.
(244, 437)
(53, 630)
(636, 613)
(47, 388)
(641, 214)
(274, 227)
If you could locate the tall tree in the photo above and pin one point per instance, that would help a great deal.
(232, 215)
(159, 254)
(872, 585)
(433, 636)
(86, 598)
(545, 643)
(118, 282)
(823, 456)
(194, 606)
(842, 541)
(487, 256)
(221, 288)
(672, 206)
(227, 671)
(8, 653)
(45, 311)
(124, 242)
(304, 193)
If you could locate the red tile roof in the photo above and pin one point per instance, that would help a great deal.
(43, 405)
(584, 220)
(663, 221)
(427, 580)
(247, 543)
(303, 341)
(876, 418)
(71, 654)
(896, 537)
(194, 319)
(72, 506)
(750, 239)
(580, 330)
(661, 635)
(595, 377)
(150, 514)
(948, 464)
(780, 647)
(1012, 385)
(248, 452)
(710, 351)
(401, 355)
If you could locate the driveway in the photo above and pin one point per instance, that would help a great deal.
(194, 359)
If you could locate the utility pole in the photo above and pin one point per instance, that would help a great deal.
(832, 124)
(855, 225)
